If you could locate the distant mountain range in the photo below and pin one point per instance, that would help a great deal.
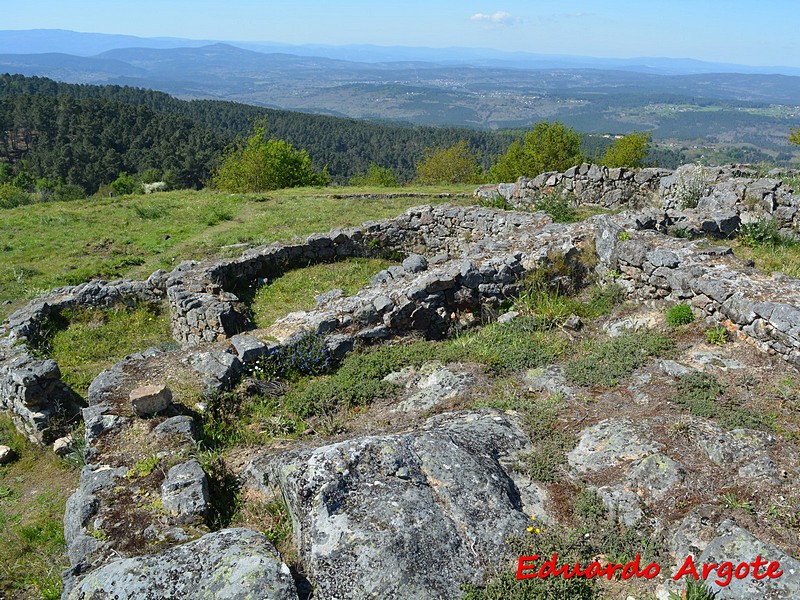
(40, 41)
(679, 100)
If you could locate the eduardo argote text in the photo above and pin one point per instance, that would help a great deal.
(529, 567)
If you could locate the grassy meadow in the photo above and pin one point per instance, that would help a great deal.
(44, 246)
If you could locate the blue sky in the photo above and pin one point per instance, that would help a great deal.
(739, 31)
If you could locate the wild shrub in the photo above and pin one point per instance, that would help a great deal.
(305, 354)
(12, 196)
(764, 233)
(691, 185)
(611, 361)
(717, 335)
(558, 205)
(704, 396)
(680, 314)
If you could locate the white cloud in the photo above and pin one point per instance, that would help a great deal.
(498, 18)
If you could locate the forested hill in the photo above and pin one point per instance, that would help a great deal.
(87, 135)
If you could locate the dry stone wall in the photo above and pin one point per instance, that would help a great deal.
(459, 260)
(31, 388)
(456, 261)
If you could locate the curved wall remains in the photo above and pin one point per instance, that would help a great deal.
(470, 258)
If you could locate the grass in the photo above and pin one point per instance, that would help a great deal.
(608, 362)
(550, 441)
(358, 382)
(33, 494)
(64, 243)
(551, 308)
(85, 341)
(768, 248)
(295, 289)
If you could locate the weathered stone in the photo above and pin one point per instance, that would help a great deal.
(63, 445)
(736, 545)
(339, 345)
(235, 564)
(549, 378)
(507, 317)
(150, 399)
(181, 425)
(248, 347)
(663, 258)
(623, 504)
(414, 263)
(184, 492)
(655, 476)
(399, 515)
(434, 384)
(573, 322)
(220, 368)
(328, 296)
(7, 455)
(609, 444)
(730, 447)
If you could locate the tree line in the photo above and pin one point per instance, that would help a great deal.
(68, 140)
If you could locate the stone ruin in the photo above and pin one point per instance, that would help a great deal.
(456, 261)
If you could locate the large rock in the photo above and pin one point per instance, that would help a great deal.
(234, 564)
(609, 444)
(735, 545)
(411, 515)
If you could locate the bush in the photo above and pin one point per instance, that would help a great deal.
(67, 192)
(557, 205)
(691, 185)
(266, 164)
(547, 147)
(680, 314)
(615, 359)
(456, 164)
(303, 355)
(627, 151)
(764, 233)
(11, 196)
(375, 176)
(717, 335)
(124, 184)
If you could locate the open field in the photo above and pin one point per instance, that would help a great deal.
(44, 246)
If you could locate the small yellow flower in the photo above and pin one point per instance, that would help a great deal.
(530, 529)
(536, 531)
(533, 517)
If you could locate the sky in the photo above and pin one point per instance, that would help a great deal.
(735, 31)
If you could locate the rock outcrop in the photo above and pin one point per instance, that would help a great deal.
(411, 515)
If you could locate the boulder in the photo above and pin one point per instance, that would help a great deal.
(64, 445)
(248, 348)
(182, 425)
(412, 515)
(235, 564)
(414, 263)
